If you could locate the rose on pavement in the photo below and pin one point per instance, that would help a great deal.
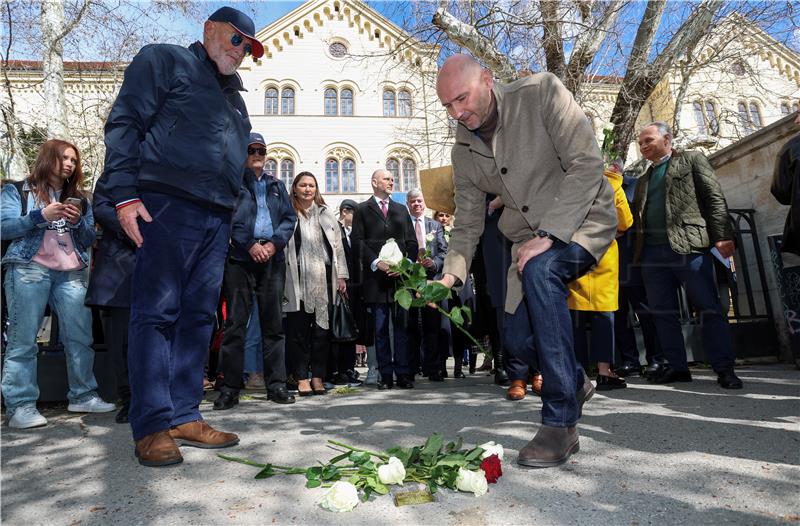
(392, 473)
(390, 253)
(472, 481)
(490, 448)
(492, 468)
(342, 496)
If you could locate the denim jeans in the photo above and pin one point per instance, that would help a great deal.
(663, 271)
(175, 291)
(542, 326)
(29, 287)
(252, 343)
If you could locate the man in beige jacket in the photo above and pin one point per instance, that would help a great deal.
(530, 143)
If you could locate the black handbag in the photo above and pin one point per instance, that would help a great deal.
(343, 323)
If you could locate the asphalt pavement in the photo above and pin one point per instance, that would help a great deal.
(689, 453)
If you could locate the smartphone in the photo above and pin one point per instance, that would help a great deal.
(74, 201)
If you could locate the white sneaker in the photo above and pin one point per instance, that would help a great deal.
(92, 405)
(26, 417)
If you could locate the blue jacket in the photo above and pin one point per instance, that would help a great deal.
(177, 127)
(281, 213)
(114, 258)
(28, 231)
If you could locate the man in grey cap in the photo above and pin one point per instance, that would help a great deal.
(263, 222)
(176, 142)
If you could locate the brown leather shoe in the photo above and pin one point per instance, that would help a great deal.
(551, 446)
(517, 390)
(158, 449)
(200, 434)
(536, 384)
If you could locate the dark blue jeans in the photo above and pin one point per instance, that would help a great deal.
(388, 362)
(176, 284)
(663, 271)
(542, 325)
(601, 346)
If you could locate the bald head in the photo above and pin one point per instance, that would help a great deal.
(465, 90)
(382, 183)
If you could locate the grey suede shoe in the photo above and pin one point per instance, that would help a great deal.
(551, 447)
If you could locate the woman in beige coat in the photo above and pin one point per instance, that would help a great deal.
(315, 270)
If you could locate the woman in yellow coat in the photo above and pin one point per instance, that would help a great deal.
(594, 297)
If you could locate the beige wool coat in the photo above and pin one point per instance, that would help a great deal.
(545, 164)
(333, 233)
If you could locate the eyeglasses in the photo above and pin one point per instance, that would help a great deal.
(236, 41)
(256, 151)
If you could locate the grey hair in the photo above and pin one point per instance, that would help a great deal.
(662, 127)
(413, 194)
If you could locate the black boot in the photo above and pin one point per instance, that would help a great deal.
(500, 374)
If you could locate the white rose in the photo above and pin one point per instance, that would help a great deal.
(342, 496)
(609, 126)
(390, 253)
(392, 473)
(429, 237)
(474, 481)
(490, 448)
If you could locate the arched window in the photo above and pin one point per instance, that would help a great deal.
(705, 116)
(744, 119)
(271, 101)
(287, 101)
(393, 167)
(389, 109)
(346, 98)
(699, 119)
(409, 174)
(271, 167)
(287, 172)
(332, 175)
(755, 115)
(348, 175)
(404, 103)
(330, 101)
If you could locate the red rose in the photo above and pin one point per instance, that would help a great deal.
(491, 468)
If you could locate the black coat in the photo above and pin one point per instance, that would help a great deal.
(114, 258)
(370, 232)
(786, 189)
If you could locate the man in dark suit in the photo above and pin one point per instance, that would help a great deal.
(432, 250)
(375, 221)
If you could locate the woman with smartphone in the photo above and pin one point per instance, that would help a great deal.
(51, 229)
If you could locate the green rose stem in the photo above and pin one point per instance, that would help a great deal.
(407, 276)
(351, 448)
(288, 469)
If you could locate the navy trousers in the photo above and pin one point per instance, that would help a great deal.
(663, 271)
(542, 325)
(176, 285)
(397, 362)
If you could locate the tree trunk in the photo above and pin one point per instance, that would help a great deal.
(53, 69)
(552, 38)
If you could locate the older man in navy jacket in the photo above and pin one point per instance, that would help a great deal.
(262, 225)
(176, 140)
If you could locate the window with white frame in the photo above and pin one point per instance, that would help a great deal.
(346, 101)
(705, 116)
(271, 167)
(404, 171)
(389, 103)
(287, 101)
(404, 103)
(331, 102)
(749, 116)
(340, 177)
(271, 101)
(287, 172)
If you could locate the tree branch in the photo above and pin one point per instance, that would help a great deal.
(481, 47)
(552, 37)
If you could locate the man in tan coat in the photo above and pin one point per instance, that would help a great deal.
(530, 143)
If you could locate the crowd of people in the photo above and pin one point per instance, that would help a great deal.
(194, 230)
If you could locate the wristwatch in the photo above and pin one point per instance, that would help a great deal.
(544, 233)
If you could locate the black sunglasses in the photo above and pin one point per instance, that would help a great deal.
(254, 151)
(236, 41)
